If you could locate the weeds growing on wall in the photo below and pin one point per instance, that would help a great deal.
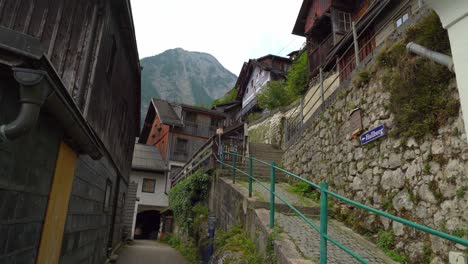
(237, 241)
(187, 199)
(386, 242)
(420, 97)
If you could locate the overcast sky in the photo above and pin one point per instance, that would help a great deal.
(232, 31)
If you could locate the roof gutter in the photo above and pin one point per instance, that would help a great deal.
(42, 89)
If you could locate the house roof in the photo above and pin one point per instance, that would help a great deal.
(248, 67)
(299, 27)
(148, 158)
(166, 112)
(202, 110)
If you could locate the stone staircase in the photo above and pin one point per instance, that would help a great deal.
(263, 152)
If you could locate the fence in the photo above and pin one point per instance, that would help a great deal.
(325, 84)
(325, 194)
(231, 140)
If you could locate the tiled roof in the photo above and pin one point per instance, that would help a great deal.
(166, 113)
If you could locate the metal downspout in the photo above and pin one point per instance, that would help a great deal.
(34, 90)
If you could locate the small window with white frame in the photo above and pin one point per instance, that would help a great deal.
(402, 19)
(344, 21)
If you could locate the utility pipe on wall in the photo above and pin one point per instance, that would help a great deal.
(432, 55)
(33, 91)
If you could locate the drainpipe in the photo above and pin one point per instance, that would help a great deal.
(431, 55)
(454, 17)
(33, 91)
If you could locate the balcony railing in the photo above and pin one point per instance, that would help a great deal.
(200, 130)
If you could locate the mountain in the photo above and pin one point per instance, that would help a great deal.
(182, 76)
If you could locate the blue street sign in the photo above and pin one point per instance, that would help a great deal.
(373, 134)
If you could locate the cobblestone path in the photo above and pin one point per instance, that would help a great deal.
(307, 241)
(306, 238)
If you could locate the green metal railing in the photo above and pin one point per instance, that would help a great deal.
(324, 195)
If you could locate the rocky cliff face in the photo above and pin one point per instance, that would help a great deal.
(424, 181)
(182, 76)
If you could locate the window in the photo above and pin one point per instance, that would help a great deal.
(148, 185)
(190, 117)
(344, 21)
(402, 20)
(214, 122)
(107, 196)
(181, 145)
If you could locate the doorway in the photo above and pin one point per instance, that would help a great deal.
(147, 225)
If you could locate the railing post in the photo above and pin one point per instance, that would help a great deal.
(272, 195)
(323, 222)
(234, 158)
(356, 45)
(222, 159)
(322, 95)
(302, 111)
(250, 175)
(286, 136)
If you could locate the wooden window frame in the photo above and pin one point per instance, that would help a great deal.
(153, 186)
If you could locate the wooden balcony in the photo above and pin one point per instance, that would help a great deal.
(319, 55)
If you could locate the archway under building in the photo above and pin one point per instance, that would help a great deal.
(147, 224)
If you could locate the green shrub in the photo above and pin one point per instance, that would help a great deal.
(297, 78)
(228, 97)
(252, 117)
(362, 78)
(186, 198)
(273, 95)
(281, 93)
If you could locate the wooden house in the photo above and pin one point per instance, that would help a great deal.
(254, 75)
(178, 130)
(328, 27)
(69, 114)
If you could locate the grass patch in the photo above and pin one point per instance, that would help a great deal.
(461, 191)
(304, 189)
(386, 242)
(362, 78)
(186, 248)
(236, 240)
(252, 117)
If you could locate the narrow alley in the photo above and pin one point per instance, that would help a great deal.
(149, 252)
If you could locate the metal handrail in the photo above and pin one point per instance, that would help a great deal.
(324, 194)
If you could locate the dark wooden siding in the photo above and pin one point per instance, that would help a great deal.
(317, 9)
(66, 30)
(77, 38)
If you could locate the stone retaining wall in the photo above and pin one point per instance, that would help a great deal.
(423, 181)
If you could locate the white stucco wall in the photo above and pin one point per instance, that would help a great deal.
(257, 80)
(159, 200)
